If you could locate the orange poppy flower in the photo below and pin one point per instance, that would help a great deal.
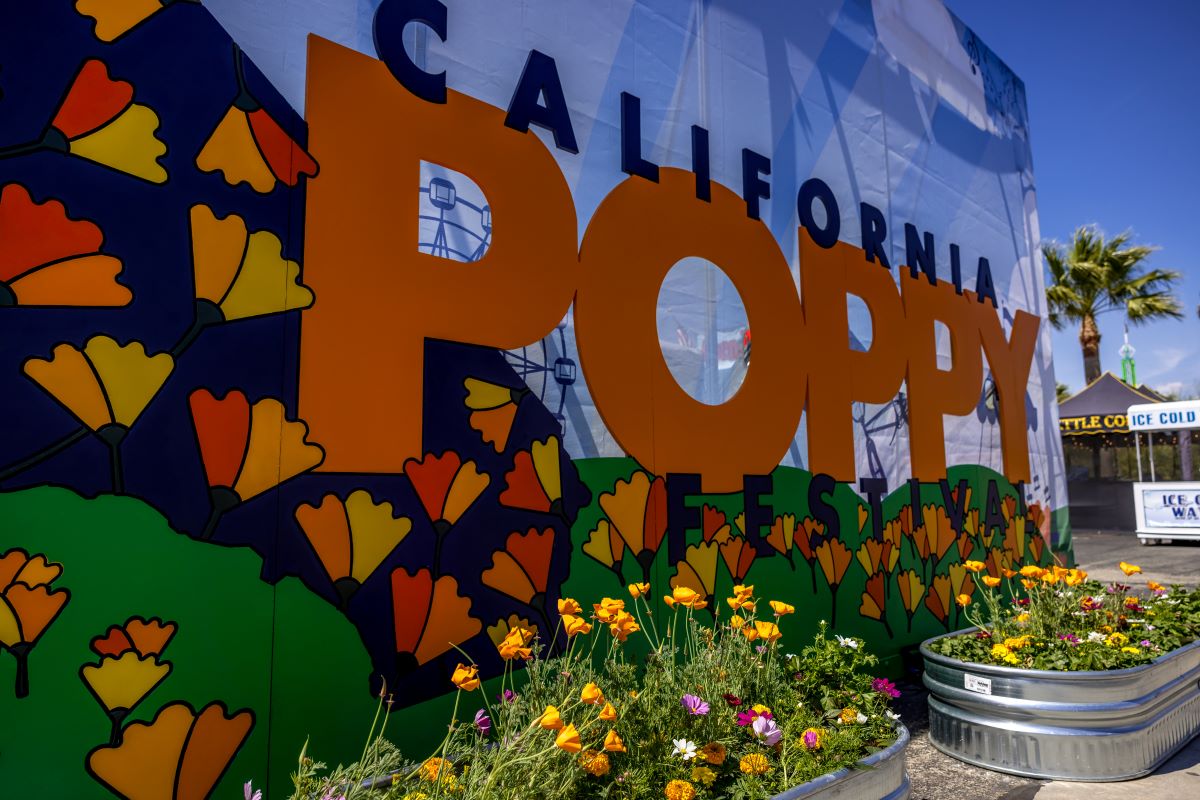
(698, 570)
(535, 481)
(49, 259)
(738, 555)
(181, 754)
(938, 599)
(144, 637)
(503, 630)
(834, 558)
(28, 605)
(870, 555)
(605, 545)
(493, 408)
(783, 534)
(874, 601)
(249, 146)
(912, 591)
(637, 509)
(115, 18)
(247, 449)
(714, 524)
(447, 486)
(522, 569)
(351, 537)
(430, 617)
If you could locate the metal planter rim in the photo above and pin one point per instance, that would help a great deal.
(816, 788)
(1044, 674)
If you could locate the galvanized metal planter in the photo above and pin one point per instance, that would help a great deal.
(881, 776)
(1084, 726)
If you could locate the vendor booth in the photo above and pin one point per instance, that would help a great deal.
(1170, 509)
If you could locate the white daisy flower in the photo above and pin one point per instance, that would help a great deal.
(684, 748)
(846, 641)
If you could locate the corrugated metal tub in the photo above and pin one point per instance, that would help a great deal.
(881, 776)
(1084, 726)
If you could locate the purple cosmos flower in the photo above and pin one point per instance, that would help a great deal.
(694, 705)
(884, 686)
(508, 696)
(483, 723)
(251, 792)
(766, 731)
(760, 649)
(811, 739)
(1145, 643)
(1069, 638)
(745, 718)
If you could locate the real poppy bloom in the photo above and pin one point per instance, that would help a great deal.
(606, 610)
(1129, 569)
(99, 121)
(574, 625)
(49, 259)
(754, 764)
(990, 582)
(249, 146)
(698, 570)
(182, 753)
(351, 537)
(493, 408)
(768, 631)
(963, 600)
(550, 719)
(567, 605)
(568, 739)
(613, 743)
(974, 566)
(608, 713)
(637, 510)
(592, 695)
(782, 609)
(686, 597)
(535, 481)
(636, 590)
(515, 645)
(430, 617)
(466, 678)
(522, 569)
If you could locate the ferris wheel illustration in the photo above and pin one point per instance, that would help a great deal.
(453, 227)
(880, 421)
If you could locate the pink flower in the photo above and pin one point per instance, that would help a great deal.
(745, 718)
(250, 792)
(695, 705)
(811, 739)
(766, 731)
(884, 686)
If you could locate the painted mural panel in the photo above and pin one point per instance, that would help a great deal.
(310, 380)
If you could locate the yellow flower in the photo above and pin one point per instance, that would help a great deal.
(623, 625)
(782, 609)
(606, 610)
(686, 597)
(737, 621)
(1049, 578)
(1003, 653)
(592, 695)
(249, 146)
(593, 763)
(433, 768)
(575, 625)
(123, 682)
(613, 743)
(743, 592)
(754, 764)
(1117, 639)
(351, 537)
(1130, 650)
(242, 274)
(750, 633)
(679, 790)
(1154, 586)
(466, 678)
(848, 716)
(768, 631)
(1129, 569)
(990, 582)
(1074, 577)
(550, 719)
(636, 590)
(1023, 617)
(568, 739)
(704, 775)
(963, 600)
(975, 566)
(608, 713)
(515, 644)
(1032, 571)
(759, 708)
(1028, 584)
(104, 384)
(568, 606)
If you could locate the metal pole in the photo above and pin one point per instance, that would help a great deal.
(1137, 446)
(1150, 451)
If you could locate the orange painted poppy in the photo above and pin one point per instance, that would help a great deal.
(430, 617)
(637, 510)
(493, 408)
(522, 569)
(446, 485)
(535, 481)
(28, 605)
(144, 637)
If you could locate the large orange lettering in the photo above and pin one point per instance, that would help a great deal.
(1010, 362)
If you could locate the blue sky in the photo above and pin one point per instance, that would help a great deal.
(1114, 105)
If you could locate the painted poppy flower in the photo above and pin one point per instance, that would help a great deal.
(605, 545)
(115, 18)
(351, 537)
(430, 617)
(240, 274)
(98, 121)
(714, 524)
(637, 509)
(120, 683)
(522, 569)
(247, 449)
(49, 259)
(834, 559)
(447, 486)
(783, 534)
(493, 408)
(874, 601)
(144, 637)
(738, 555)
(535, 481)
(28, 605)
(961, 580)
(698, 570)
(938, 599)
(912, 591)
(181, 754)
(249, 146)
(613, 743)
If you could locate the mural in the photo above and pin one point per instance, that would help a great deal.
(231, 522)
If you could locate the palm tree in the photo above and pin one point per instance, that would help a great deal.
(1094, 276)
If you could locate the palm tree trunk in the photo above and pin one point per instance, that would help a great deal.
(1089, 340)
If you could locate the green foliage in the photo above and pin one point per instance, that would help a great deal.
(1059, 620)
(826, 689)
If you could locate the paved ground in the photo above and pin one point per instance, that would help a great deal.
(936, 776)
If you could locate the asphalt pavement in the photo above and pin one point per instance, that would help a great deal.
(936, 776)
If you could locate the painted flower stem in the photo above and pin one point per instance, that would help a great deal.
(50, 450)
(21, 652)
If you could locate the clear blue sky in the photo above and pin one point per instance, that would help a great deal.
(1114, 108)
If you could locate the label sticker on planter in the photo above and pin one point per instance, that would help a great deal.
(974, 683)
